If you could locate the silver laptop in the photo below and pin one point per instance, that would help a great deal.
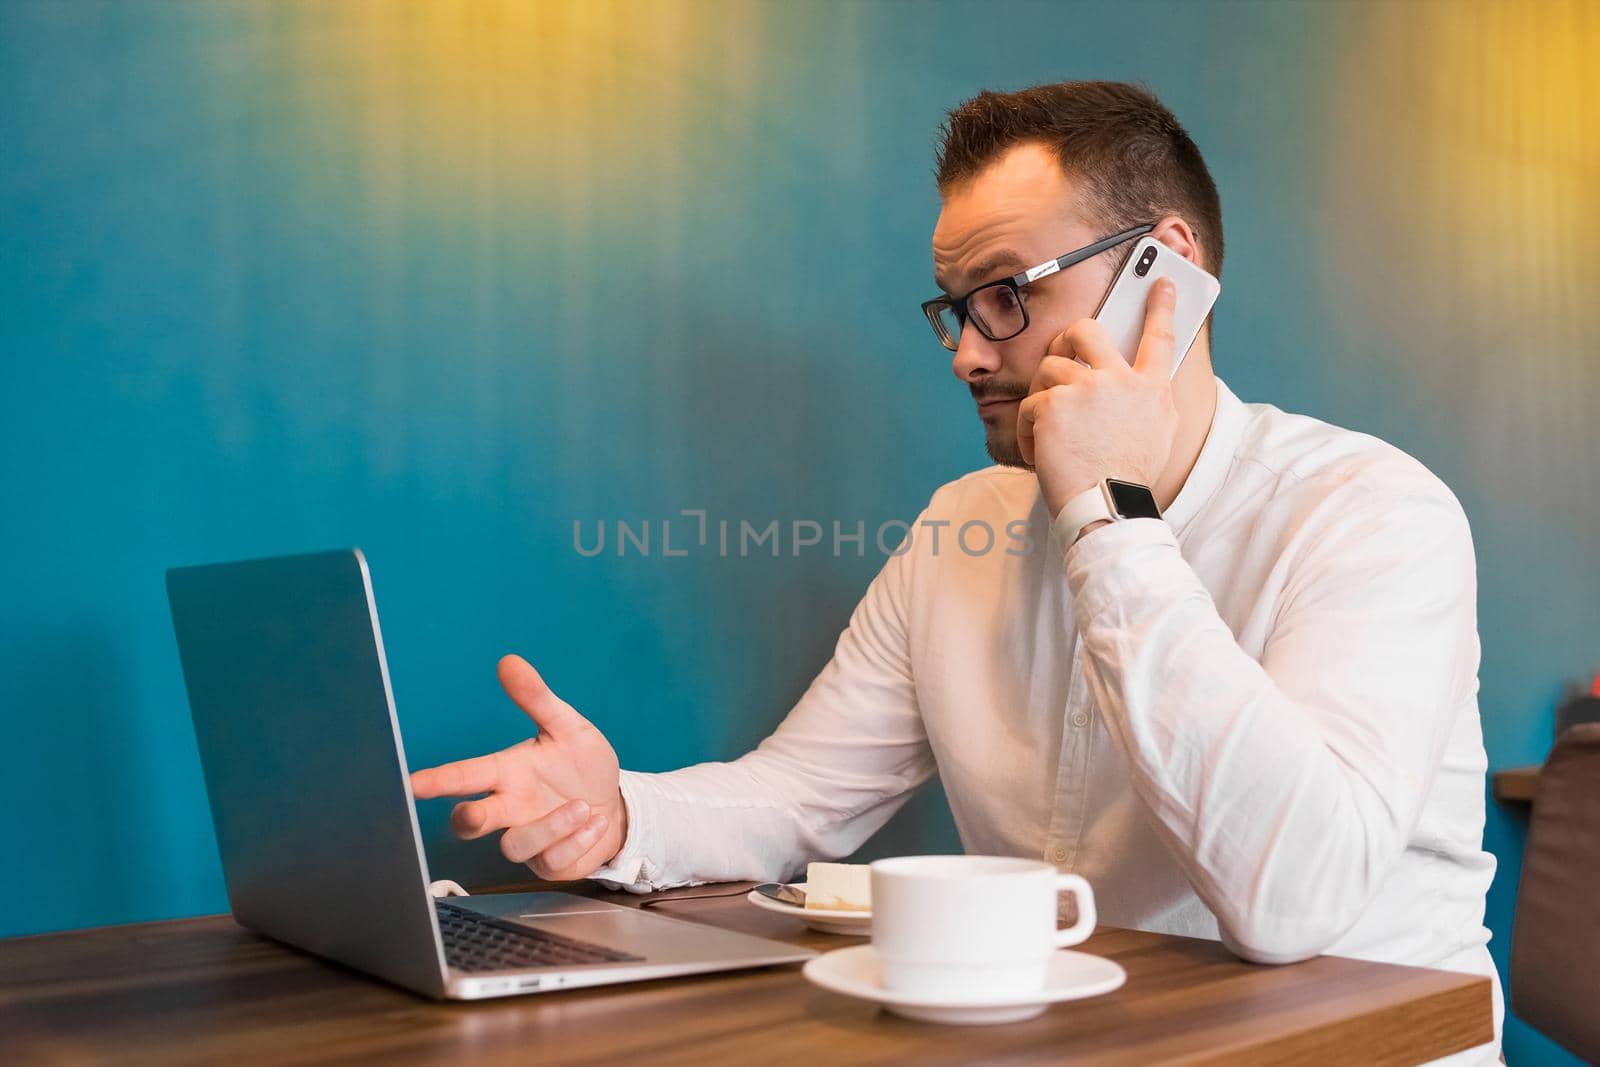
(314, 815)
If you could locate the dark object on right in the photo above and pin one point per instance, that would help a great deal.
(1579, 707)
(1556, 939)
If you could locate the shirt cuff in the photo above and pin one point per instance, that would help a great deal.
(631, 868)
(1114, 562)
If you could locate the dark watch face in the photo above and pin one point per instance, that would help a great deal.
(1133, 501)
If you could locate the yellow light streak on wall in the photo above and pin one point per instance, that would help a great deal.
(1466, 221)
(462, 102)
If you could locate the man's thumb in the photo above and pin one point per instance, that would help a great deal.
(523, 685)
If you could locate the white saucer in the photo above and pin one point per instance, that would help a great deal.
(828, 920)
(855, 972)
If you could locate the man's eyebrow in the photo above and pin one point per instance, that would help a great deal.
(1005, 257)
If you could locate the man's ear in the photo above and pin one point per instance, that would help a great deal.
(1175, 233)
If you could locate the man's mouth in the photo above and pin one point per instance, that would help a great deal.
(995, 403)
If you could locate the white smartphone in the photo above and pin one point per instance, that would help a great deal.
(1122, 310)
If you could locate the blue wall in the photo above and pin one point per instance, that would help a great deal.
(439, 283)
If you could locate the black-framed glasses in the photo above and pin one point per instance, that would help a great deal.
(996, 308)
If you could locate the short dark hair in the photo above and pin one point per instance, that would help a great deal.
(1134, 161)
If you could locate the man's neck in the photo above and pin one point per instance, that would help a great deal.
(1195, 390)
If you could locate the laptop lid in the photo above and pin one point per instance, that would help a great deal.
(310, 796)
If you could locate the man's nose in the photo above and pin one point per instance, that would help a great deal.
(976, 355)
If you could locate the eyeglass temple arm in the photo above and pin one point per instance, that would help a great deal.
(1050, 266)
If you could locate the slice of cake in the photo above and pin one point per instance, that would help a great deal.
(839, 886)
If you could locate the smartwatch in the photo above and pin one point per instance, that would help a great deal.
(1111, 500)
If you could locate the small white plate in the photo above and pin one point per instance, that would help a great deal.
(855, 972)
(828, 920)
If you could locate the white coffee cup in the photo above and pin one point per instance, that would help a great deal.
(953, 926)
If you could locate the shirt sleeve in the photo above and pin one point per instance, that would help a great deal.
(839, 765)
(1287, 788)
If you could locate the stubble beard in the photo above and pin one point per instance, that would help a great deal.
(1003, 449)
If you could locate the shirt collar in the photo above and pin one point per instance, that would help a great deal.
(1216, 457)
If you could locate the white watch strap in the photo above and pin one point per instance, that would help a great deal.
(1088, 506)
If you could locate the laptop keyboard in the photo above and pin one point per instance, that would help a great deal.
(476, 942)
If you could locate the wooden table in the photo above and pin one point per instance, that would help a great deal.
(206, 991)
(1516, 785)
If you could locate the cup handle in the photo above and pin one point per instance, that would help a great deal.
(1079, 931)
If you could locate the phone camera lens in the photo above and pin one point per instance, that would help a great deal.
(1141, 268)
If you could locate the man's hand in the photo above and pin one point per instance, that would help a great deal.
(555, 796)
(1080, 423)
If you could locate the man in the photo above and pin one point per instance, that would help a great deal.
(1254, 718)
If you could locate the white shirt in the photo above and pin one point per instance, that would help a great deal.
(1255, 719)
